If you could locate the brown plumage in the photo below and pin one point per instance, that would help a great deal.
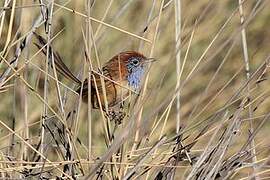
(115, 81)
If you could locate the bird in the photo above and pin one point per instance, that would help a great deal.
(120, 75)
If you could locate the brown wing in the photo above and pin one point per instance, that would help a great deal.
(97, 91)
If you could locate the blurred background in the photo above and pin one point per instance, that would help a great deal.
(210, 78)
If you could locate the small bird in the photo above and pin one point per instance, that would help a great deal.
(123, 73)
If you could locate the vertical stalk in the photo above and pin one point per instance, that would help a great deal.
(177, 7)
(46, 83)
(12, 16)
(246, 61)
(26, 122)
(88, 47)
(3, 13)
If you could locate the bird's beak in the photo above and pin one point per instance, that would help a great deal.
(150, 60)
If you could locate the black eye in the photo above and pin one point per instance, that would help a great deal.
(135, 62)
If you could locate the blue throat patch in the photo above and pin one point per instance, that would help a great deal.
(134, 77)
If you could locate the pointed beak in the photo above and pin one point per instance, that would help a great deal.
(150, 60)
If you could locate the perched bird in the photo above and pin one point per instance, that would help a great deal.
(122, 73)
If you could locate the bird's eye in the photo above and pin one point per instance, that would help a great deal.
(135, 62)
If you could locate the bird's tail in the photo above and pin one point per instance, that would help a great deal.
(59, 64)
